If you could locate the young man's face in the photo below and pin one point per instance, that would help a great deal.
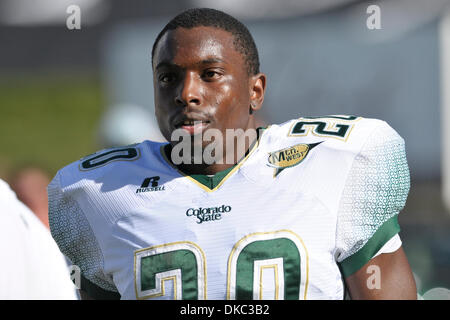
(199, 76)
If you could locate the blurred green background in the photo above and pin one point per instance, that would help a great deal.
(50, 120)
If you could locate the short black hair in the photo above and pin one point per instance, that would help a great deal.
(196, 17)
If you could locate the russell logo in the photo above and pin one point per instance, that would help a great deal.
(208, 214)
(150, 184)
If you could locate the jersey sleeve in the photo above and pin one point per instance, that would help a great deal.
(375, 192)
(72, 232)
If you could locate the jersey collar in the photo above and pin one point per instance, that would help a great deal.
(212, 183)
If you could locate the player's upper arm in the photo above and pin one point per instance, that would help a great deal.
(388, 276)
(375, 192)
(92, 291)
(75, 238)
(84, 295)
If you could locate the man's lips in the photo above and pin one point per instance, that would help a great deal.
(193, 126)
(196, 128)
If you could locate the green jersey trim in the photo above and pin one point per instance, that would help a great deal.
(97, 293)
(356, 261)
(212, 183)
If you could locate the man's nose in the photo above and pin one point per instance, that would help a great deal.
(189, 91)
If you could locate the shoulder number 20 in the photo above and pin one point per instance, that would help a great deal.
(338, 127)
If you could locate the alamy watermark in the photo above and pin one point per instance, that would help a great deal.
(73, 21)
(374, 280)
(75, 275)
(211, 146)
(373, 21)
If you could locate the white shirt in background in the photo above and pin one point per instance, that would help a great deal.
(31, 265)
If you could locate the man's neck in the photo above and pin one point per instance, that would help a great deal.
(218, 166)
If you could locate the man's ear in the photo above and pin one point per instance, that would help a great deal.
(257, 90)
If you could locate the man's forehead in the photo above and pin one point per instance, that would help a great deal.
(196, 45)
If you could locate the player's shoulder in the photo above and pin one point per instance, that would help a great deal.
(107, 162)
(340, 132)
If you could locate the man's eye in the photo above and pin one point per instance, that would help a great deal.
(210, 74)
(166, 78)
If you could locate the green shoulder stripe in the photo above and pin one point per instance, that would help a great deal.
(356, 261)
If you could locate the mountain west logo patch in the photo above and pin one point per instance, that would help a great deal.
(289, 157)
(146, 187)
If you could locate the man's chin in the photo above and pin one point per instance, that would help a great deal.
(196, 150)
(198, 135)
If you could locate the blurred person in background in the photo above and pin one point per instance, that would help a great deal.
(30, 185)
(32, 266)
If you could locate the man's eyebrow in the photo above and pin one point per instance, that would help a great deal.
(165, 64)
(203, 62)
(211, 61)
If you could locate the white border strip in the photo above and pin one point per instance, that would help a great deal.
(444, 35)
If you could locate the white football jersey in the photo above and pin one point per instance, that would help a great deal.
(312, 202)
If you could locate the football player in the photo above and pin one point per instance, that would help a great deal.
(308, 210)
